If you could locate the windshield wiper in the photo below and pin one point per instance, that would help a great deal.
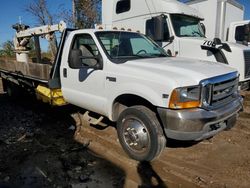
(149, 55)
(159, 55)
(191, 36)
(186, 36)
(142, 55)
(196, 32)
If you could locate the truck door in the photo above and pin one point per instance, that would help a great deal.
(83, 86)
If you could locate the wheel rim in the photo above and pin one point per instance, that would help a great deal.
(135, 134)
(9, 91)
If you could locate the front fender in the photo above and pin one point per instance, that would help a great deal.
(148, 93)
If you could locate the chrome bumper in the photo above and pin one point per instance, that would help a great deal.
(198, 124)
(244, 86)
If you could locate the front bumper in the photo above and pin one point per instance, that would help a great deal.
(244, 86)
(198, 124)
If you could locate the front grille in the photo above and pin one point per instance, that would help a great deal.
(220, 90)
(223, 92)
(247, 63)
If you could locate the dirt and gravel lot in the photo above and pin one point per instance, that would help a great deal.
(37, 149)
(42, 146)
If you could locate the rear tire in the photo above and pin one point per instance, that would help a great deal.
(140, 133)
(12, 90)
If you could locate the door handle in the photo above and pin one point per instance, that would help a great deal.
(65, 73)
(111, 79)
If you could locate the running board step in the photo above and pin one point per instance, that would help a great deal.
(92, 120)
(86, 118)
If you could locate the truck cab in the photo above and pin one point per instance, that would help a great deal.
(178, 29)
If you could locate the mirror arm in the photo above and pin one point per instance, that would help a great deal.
(171, 39)
(89, 57)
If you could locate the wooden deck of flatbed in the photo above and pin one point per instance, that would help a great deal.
(33, 71)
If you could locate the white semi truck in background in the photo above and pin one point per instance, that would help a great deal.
(178, 29)
(129, 79)
(223, 19)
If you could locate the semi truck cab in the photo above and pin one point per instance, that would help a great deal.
(178, 29)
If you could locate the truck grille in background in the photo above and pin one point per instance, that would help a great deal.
(247, 63)
(220, 93)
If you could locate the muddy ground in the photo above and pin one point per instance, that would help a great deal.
(37, 149)
(42, 146)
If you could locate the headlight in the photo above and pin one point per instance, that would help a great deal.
(185, 97)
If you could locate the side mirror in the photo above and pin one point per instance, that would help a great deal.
(246, 34)
(74, 59)
(159, 28)
(217, 41)
(226, 47)
(155, 28)
(203, 27)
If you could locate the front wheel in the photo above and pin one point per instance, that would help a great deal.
(140, 133)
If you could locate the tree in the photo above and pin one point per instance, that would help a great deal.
(8, 49)
(86, 13)
(39, 9)
(1, 52)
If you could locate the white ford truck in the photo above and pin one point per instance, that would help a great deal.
(128, 78)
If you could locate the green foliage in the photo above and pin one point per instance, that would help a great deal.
(7, 49)
(31, 46)
(1, 52)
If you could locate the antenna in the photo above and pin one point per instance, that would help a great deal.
(74, 12)
(148, 8)
(20, 20)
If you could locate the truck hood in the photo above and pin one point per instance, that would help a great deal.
(182, 71)
(201, 41)
(192, 48)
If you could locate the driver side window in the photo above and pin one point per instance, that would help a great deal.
(87, 49)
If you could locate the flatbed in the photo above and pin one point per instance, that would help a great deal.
(31, 71)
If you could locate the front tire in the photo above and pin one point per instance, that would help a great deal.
(140, 133)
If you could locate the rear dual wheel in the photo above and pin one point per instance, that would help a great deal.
(140, 133)
(12, 89)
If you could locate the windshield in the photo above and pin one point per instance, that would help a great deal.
(186, 26)
(127, 45)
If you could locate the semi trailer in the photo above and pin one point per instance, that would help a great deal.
(223, 19)
(128, 78)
